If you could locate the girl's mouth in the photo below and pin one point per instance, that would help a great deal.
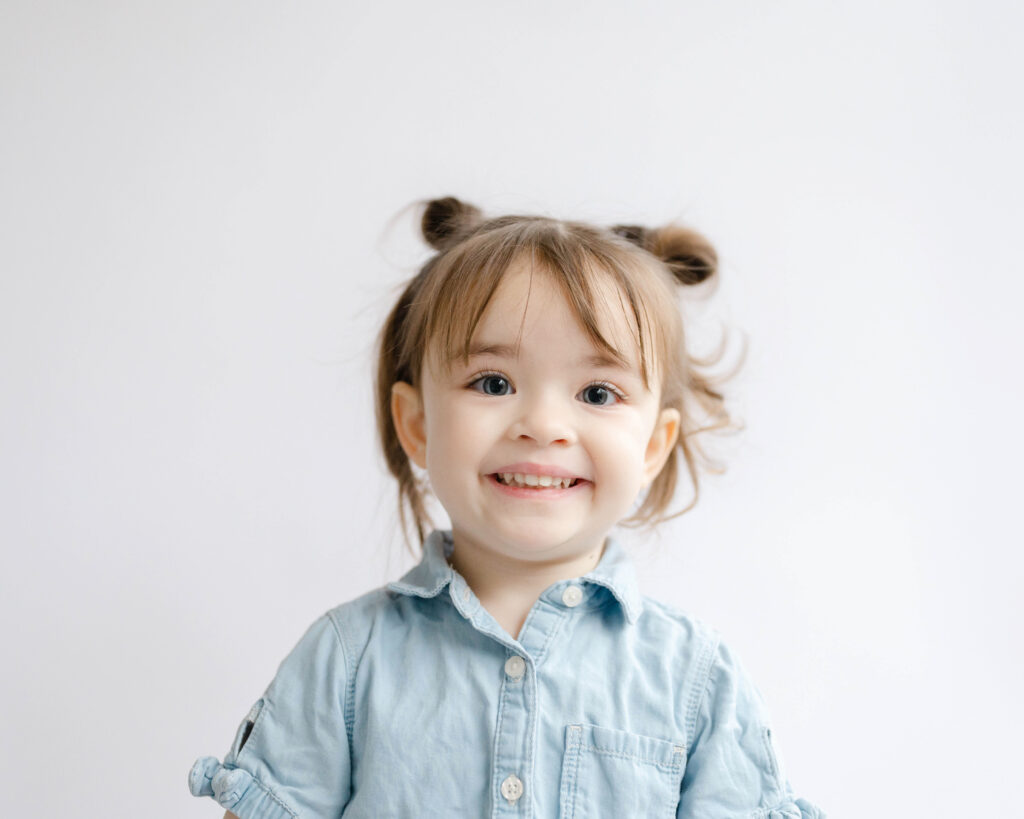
(537, 483)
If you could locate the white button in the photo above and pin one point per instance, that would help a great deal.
(512, 788)
(572, 596)
(465, 593)
(515, 667)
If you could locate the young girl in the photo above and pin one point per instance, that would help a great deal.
(534, 375)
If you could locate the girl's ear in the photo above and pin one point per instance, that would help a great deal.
(661, 443)
(407, 416)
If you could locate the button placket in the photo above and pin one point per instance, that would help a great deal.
(516, 740)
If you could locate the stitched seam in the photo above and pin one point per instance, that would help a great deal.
(658, 763)
(277, 799)
(528, 620)
(575, 777)
(699, 691)
(495, 788)
(672, 802)
(531, 733)
(418, 591)
(348, 706)
(575, 750)
(559, 622)
(268, 791)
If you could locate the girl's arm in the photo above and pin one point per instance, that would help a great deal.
(230, 815)
(290, 756)
(732, 769)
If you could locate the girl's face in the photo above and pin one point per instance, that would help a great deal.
(541, 442)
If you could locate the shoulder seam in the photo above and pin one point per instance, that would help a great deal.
(699, 691)
(348, 707)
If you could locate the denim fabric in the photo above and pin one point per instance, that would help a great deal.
(412, 701)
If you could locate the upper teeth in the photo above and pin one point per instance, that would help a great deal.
(521, 479)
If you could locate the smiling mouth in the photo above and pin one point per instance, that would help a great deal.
(522, 480)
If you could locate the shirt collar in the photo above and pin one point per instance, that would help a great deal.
(614, 572)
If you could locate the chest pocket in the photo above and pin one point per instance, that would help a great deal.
(612, 773)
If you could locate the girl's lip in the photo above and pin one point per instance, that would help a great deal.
(526, 468)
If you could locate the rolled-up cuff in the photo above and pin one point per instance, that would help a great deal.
(236, 790)
(797, 809)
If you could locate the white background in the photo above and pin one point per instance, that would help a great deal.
(202, 221)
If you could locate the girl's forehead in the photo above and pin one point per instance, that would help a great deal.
(533, 303)
(529, 298)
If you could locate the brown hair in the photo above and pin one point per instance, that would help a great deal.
(441, 306)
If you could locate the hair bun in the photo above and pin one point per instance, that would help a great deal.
(446, 220)
(687, 254)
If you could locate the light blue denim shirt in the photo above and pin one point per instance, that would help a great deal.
(412, 701)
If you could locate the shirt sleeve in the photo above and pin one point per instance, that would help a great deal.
(732, 769)
(290, 757)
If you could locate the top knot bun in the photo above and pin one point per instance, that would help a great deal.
(687, 254)
(447, 220)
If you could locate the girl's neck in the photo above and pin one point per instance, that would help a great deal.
(507, 588)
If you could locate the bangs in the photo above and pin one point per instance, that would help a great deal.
(581, 261)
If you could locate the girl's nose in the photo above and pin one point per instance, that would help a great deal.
(544, 422)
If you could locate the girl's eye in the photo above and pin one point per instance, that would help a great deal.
(599, 395)
(492, 385)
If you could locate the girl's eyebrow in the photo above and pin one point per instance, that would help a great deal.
(501, 350)
(607, 360)
(600, 359)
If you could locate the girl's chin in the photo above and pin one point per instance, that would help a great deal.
(534, 541)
